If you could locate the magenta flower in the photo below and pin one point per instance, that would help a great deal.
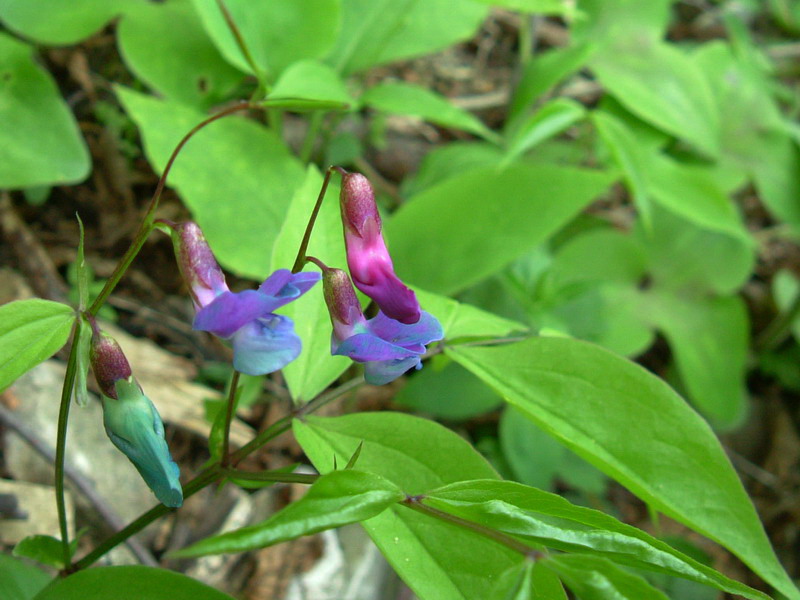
(262, 341)
(387, 347)
(369, 261)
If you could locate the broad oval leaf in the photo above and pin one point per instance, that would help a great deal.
(64, 23)
(585, 396)
(235, 176)
(379, 31)
(335, 499)
(482, 220)
(276, 33)
(30, 332)
(19, 580)
(542, 518)
(313, 80)
(129, 583)
(437, 559)
(551, 119)
(185, 67)
(40, 143)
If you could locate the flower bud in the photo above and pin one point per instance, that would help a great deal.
(197, 263)
(108, 363)
(343, 304)
(367, 256)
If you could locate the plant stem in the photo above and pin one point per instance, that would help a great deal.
(311, 136)
(237, 35)
(777, 331)
(277, 477)
(212, 473)
(147, 222)
(415, 503)
(229, 410)
(300, 261)
(61, 441)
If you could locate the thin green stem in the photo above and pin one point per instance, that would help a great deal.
(213, 472)
(229, 410)
(61, 441)
(416, 503)
(147, 222)
(525, 40)
(779, 329)
(237, 35)
(275, 476)
(300, 261)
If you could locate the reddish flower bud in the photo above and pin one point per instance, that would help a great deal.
(108, 363)
(198, 266)
(343, 304)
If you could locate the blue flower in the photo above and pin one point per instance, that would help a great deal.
(387, 347)
(263, 342)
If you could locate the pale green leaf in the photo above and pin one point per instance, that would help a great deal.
(56, 22)
(19, 580)
(311, 79)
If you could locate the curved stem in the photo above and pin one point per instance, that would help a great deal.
(147, 222)
(61, 441)
(275, 476)
(229, 410)
(300, 261)
(237, 35)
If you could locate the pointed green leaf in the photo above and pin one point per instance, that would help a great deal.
(550, 120)
(407, 99)
(40, 143)
(30, 332)
(437, 559)
(529, 581)
(595, 578)
(336, 499)
(81, 391)
(584, 396)
(311, 79)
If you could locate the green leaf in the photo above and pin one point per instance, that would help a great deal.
(44, 549)
(276, 33)
(19, 580)
(595, 578)
(81, 391)
(65, 22)
(186, 67)
(605, 23)
(785, 288)
(460, 320)
(450, 160)
(30, 332)
(723, 266)
(542, 73)
(408, 99)
(584, 396)
(315, 368)
(660, 84)
(129, 583)
(311, 79)
(40, 143)
(374, 32)
(484, 219)
(437, 559)
(235, 176)
(336, 499)
(529, 581)
(449, 392)
(543, 7)
(544, 519)
(551, 119)
(709, 340)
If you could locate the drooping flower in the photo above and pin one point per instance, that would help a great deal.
(367, 256)
(262, 341)
(132, 422)
(387, 347)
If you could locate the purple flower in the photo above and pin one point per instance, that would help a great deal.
(262, 341)
(387, 347)
(367, 256)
